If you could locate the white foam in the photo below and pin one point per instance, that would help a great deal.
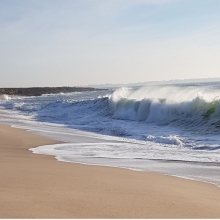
(173, 140)
(6, 97)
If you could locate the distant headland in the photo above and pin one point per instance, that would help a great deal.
(38, 91)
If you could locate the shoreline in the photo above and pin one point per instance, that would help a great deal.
(39, 186)
(131, 169)
(196, 171)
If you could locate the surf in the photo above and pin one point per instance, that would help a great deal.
(181, 106)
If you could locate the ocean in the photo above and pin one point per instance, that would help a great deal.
(169, 129)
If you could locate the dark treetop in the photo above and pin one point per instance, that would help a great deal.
(37, 91)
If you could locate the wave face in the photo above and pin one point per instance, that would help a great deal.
(192, 107)
(80, 110)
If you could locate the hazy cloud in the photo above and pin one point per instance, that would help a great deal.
(67, 42)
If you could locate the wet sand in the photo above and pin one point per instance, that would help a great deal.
(37, 186)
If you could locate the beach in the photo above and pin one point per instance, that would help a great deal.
(37, 186)
(109, 109)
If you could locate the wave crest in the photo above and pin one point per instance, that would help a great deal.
(166, 105)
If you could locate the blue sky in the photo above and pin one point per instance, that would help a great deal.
(80, 42)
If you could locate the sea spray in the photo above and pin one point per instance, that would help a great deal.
(168, 105)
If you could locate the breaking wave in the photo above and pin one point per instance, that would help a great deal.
(154, 114)
(177, 106)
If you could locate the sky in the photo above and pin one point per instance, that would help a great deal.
(84, 42)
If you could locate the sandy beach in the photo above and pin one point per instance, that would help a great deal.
(37, 186)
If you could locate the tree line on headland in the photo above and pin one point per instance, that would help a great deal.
(38, 91)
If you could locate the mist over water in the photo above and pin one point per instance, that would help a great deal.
(128, 126)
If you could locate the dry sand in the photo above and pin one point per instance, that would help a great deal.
(36, 186)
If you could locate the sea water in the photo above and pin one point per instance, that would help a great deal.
(170, 129)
